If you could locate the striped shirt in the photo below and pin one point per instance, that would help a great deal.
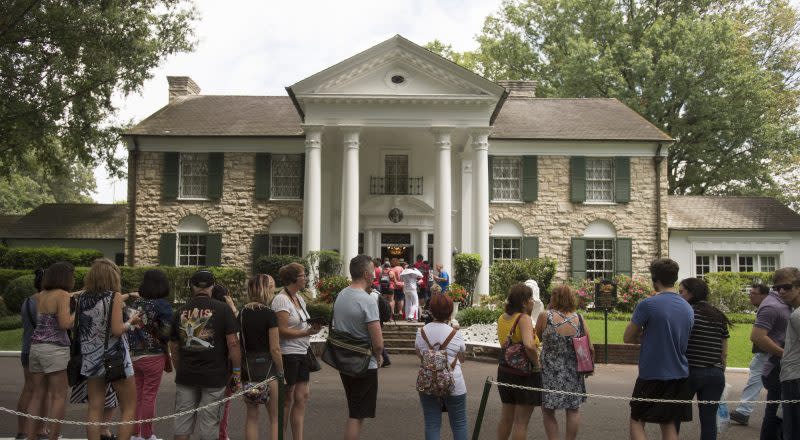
(705, 341)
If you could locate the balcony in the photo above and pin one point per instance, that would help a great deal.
(395, 186)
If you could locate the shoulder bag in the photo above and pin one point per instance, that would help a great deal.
(75, 356)
(114, 363)
(346, 353)
(256, 364)
(311, 358)
(513, 358)
(583, 353)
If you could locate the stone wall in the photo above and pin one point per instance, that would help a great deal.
(555, 219)
(238, 216)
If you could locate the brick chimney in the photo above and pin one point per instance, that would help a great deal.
(181, 86)
(521, 88)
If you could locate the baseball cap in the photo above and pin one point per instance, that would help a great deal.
(202, 279)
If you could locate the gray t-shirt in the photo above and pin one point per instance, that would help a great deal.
(353, 310)
(790, 363)
(772, 316)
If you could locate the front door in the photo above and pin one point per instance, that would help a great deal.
(394, 245)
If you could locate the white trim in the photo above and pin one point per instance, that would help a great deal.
(215, 144)
(586, 148)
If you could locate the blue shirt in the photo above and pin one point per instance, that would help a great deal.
(446, 283)
(666, 320)
(28, 314)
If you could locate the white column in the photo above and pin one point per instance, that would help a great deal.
(466, 205)
(369, 243)
(443, 234)
(350, 202)
(312, 189)
(480, 208)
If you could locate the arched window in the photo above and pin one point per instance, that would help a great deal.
(506, 240)
(285, 237)
(192, 241)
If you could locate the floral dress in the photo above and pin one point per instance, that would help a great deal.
(95, 309)
(559, 364)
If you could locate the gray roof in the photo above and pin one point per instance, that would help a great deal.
(730, 213)
(6, 221)
(71, 221)
(519, 118)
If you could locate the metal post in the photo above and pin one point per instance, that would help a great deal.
(482, 409)
(281, 422)
(605, 345)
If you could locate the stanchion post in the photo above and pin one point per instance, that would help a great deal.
(281, 396)
(482, 409)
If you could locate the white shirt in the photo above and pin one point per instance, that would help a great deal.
(297, 321)
(410, 283)
(438, 332)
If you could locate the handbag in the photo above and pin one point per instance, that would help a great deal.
(75, 356)
(311, 358)
(114, 363)
(512, 355)
(344, 352)
(583, 353)
(256, 364)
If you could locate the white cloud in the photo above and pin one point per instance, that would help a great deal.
(258, 48)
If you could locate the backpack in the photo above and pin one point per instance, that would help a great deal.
(386, 281)
(384, 310)
(435, 376)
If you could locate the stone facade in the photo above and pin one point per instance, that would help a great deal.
(554, 219)
(238, 216)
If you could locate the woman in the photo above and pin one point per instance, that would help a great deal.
(518, 405)
(437, 332)
(707, 353)
(100, 307)
(555, 328)
(28, 316)
(148, 344)
(221, 294)
(386, 279)
(295, 333)
(49, 353)
(260, 340)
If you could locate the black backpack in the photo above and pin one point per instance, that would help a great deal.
(386, 281)
(384, 309)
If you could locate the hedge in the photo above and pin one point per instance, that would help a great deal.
(330, 264)
(466, 268)
(318, 309)
(6, 275)
(504, 274)
(17, 290)
(12, 322)
(478, 315)
(34, 258)
(728, 290)
(271, 264)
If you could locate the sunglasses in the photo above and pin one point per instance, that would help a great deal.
(779, 287)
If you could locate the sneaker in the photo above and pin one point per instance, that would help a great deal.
(739, 418)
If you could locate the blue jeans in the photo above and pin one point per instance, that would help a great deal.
(790, 390)
(708, 383)
(771, 426)
(457, 413)
(753, 386)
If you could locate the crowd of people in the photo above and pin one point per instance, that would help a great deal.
(113, 355)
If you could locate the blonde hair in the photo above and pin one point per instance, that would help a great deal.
(436, 289)
(563, 299)
(103, 276)
(258, 289)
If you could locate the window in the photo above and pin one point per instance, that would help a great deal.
(395, 172)
(506, 248)
(746, 263)
(287, 177)
(702, 265)
(769, 263)
(734, 263)
(599, 259)
(599, 180)
(193, 178)
(506, 179)
(192, 250)
(430, 248)
(284, 245)
(724, 263)
(360, 243)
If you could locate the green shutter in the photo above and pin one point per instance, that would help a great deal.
(578, 258)
(530, 248)
(623, 263)
(622, 179)
(260, 246)
(166, 249)
(216, 167)
(491, 249)
(530, 178)
(491, 179)
(169, 179)
(303, 180)
(263, 175)
(213, 249)
(577, 172)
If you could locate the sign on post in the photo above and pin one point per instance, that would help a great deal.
(605, 298)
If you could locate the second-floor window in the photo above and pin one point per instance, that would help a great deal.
(193, 176)
(287, 177)
(396, 174)
(599, 180)
(506, 179)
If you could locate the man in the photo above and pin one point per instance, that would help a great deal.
(203, 342)
(411, 278)
(786, 282)
(424, 289)
(661, 324)
(441, 277)
(356, 313)
(768, 334)
(752, 389)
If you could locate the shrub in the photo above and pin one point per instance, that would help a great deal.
(328, 288)
(271, 264)
(630, 290)
(34, 258)
(330, 264)
(17, 290)
(318, 309)
(728, 290)
(3, 250)
(478, 315)
(457, 292)
(6, 275)
(467, 267)
(12, 322)
(506, 273)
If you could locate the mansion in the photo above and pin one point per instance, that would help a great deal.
(395, 152)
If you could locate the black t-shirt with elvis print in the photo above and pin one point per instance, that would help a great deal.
(200, 327)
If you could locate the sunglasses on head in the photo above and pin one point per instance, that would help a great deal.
(779, 287)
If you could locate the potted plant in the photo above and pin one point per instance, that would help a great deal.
(458, 294)
(329, 287)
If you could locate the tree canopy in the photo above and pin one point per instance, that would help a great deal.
(61, 62)
(720, 77)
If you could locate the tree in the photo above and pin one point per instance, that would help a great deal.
(720, 77)
(60, 64)
(21, 192)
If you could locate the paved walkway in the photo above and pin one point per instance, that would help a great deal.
(399, 414)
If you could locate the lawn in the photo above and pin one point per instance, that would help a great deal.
(10, 339)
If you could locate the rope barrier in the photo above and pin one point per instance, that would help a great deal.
(637, 399)
(131, 422)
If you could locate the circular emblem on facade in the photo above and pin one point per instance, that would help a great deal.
(396, 79)
(396, 215)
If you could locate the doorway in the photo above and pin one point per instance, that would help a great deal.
(398, 246)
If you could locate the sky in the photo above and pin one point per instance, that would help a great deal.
(259, 47)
